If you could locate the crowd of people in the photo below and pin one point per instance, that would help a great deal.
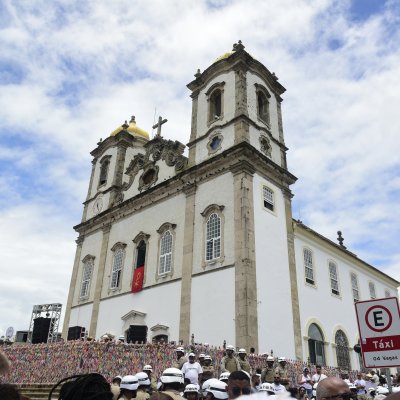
(118, 370)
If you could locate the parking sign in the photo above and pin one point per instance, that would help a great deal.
(379, 328)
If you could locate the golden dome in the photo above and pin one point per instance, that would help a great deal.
(225, 55)
(132, 128)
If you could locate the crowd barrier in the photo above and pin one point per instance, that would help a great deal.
(48, 363)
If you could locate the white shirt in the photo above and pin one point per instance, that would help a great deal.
(192, 371)
(317, 378)
(278, 388)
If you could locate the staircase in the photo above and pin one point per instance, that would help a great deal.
(38, 391)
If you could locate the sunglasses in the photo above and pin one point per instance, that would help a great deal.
(342, 396)
(238, 391)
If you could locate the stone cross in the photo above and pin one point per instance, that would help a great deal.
(158, 125)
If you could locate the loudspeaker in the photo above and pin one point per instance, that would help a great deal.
(137, 333)
(75, 332)
(40, 331)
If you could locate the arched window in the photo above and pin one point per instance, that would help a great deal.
(342, 350)
(354, 286)
(140, 254)
(334, 278)
(316, 345)
(86, 276)
(165, 253)
(308, 266)
(372, 293)
(104, 166)
(118, 262)
(215, 98)
(263, 106)
(213, 237)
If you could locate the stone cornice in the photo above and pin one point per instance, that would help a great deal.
(205, 171)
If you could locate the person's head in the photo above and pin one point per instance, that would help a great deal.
(148, 369)
(302, 391)
(201, 357)
(143, 380)
(121, 339)
(179, 352)
(270, 361)
(333, 388)
(238, 384)
(224, 376)
(277, 379)
(129, 385)
(172, 378)
(105, 338)
(117, 380)
(306, 371)
(9, 392)
(84, 387)
(242, 354)
(255, 380)
(318, 368)
(359, 375)
(230, 350)
(282, 361)
(192, 357)
(207, 360)
(191, 392)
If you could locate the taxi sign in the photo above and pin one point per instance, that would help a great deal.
(379, 328)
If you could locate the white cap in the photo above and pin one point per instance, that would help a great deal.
(171, 375)
(191, 388)
(218, 389)
(202, 355)
(181, 349)
(122, 337)
(148, 368)
(242, 351)
(230, 347)
(207, 357)
(143, 379)
(192, 355)
(280, 359)
(129, 382)
(224, 375)
(267, 387)
(270, 358)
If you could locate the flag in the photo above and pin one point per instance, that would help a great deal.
(137, 283)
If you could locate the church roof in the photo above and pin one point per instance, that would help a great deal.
(131, 128)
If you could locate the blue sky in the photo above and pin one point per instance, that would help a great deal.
(71, 72)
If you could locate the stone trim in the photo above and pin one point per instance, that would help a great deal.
(215, 135)
(193, 129)
(187, 265)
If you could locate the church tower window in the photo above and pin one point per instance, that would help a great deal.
(86, 276)
(104, 167)
(165, 253)
(215, 98)
(213, 243)
(268, 197)
(118, 262)
(354, 286)
(308, 266)
(334, 278)
(262, 103)
(372, 292)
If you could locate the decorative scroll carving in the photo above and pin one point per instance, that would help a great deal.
(265, 146)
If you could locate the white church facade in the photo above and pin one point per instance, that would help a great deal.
(172, 245)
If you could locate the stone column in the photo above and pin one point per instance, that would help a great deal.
(293, 277)
(72, 286)
(187, 265)
(241, 126)
(116, 195)
(84, 216)
(99, 280)
(246, 320)
(193, 131)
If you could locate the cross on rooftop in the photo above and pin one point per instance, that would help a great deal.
(158, 125)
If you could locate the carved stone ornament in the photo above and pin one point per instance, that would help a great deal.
(157, 149)
(149, 176)
(265, 146)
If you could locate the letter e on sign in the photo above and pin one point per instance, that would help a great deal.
(378, 318)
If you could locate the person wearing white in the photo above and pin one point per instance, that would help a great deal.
(277, 387)
(192, 370)
(318, 376)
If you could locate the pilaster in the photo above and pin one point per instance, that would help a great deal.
(193, 131)
(99, 280)
(246, 322)
(187, 264)
(72, 286)
(293, 279)
(89, 190)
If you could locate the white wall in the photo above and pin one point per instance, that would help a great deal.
(275, 323)
(161, 304)
(80, 316)
(213, 307)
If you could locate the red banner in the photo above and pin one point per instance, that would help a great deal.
(137, 283)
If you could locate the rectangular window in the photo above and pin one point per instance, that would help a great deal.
(387, 293)
(165, 253)
(86, 276)
(308, 266)
(354, 286)
(372, 290)
(268, 197)
(334, 278)
(117, 268)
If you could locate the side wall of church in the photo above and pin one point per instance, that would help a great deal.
(80, 316)
(275, 323)
(213, 307)
(333, 311)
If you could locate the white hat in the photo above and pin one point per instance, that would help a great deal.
(129, 382)
(181, 349)
(230, 347)
(218, 389)
(143, 379)
(281, 359)
(202, 355)
(224, 375)
(191, 388)
(122, 337)
(270, 358)
(171, 375)
(242, 351)
(192, 355)
(148, 368)
(267, 387)
(207, 357)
